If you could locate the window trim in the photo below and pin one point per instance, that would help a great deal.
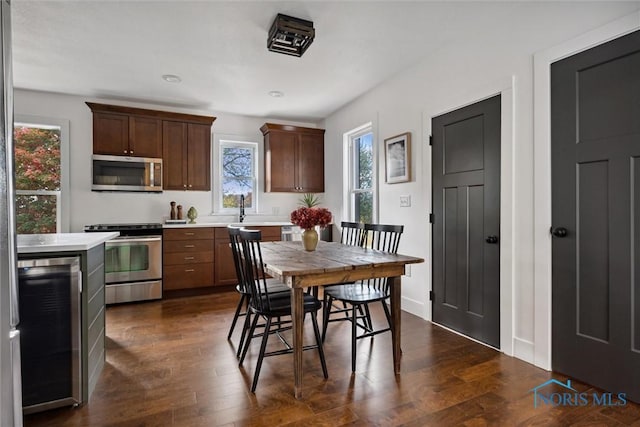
(221, 142)
(349, 170)
(63, 217)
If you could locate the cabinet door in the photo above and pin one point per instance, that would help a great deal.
(280, 161)
(111, 134)
(311, 163)
(145, 137)
(199, 157)
(225, 267)
(174, 155)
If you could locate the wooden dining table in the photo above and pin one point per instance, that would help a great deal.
(332, 263)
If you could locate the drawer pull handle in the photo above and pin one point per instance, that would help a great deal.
(189, 234)
(189, 257)
(191, 270)
(189, 246)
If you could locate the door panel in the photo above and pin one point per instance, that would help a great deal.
(595, 134)
(635, 248)
(476, 243)
(466, 207)
(606, 104)
(592, 225)
(463, 149)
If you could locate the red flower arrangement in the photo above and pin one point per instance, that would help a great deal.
(310, 217)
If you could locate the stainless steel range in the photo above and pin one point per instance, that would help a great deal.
(133, 262)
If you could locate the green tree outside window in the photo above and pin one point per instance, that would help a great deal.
(37, 176)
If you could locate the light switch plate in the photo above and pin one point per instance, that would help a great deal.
(405, 201)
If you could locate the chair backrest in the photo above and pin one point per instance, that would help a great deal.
(382, 237)
(236, 249)
(253, 269)
(352, 233)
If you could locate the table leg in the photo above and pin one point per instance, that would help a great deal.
(395, 319)
(297, 316)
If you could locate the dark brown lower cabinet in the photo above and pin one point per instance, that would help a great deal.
(224, 266)
(198, 257)
(187, 258)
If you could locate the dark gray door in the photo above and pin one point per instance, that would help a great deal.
(466, 227)
(595, 138)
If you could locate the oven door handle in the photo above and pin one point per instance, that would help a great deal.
(127, 240)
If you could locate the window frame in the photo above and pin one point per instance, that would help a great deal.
(234, 141)
(63, 217)
(350, 169)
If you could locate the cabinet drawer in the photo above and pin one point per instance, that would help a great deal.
(175, 258)
(269, 232)
(187, 276)
(188, 233)
(187, 246)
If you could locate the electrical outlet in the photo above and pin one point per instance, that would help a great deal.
(407, 270)
(275, 210)
(405, 201)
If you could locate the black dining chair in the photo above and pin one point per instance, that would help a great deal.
(352, 234)
(274, 285)
(271, 307)
(362, 293)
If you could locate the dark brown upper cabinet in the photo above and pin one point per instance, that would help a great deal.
(127, 131)
(183, 141)
(186, 156)
(294, 158)
(122, 134)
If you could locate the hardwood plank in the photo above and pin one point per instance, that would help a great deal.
(169, 364)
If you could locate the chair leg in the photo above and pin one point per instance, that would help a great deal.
(245, 328)
(354, 331)
(316, 331)
(236, 315)
(367, 317)
(386, 312)
(328, 301)
(263, 347)
(252, 330)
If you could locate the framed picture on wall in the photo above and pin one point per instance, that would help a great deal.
(397, 156)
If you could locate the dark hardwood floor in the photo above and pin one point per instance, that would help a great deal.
(169, 364)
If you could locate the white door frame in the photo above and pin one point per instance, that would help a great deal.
(504, 87)
(542, 170)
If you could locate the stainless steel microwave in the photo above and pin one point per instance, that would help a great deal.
(120, 173)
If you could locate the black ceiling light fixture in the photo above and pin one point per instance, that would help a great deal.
(289, 35)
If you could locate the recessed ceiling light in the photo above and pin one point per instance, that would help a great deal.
(276, 94)
(171, 78)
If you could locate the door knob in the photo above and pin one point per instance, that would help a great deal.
(492, 239)
(559, 232)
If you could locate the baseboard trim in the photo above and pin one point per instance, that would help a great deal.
(524, 350)
(414, 307)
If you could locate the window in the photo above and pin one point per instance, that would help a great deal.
(238, 166)
(361, 171)
(39, 150)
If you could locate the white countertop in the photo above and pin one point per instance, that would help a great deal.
(35, 243)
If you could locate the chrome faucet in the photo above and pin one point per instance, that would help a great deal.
(242, 215)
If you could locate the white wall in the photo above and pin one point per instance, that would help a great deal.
(500, 59)
(89, 207)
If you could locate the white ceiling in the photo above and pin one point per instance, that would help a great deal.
(120, 49)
